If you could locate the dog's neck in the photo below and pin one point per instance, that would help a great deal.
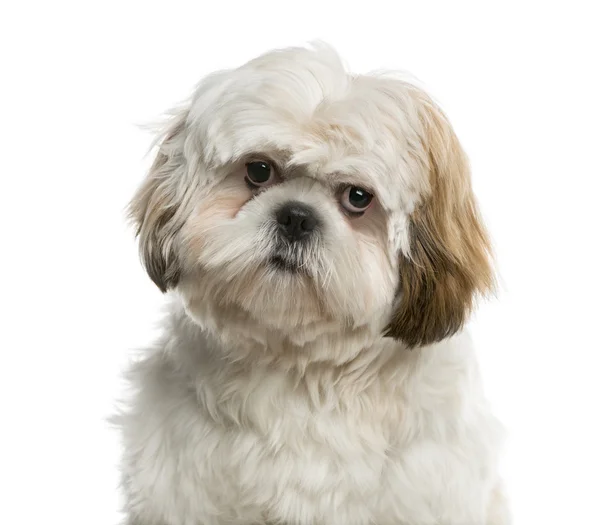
(239, 334)
(323, 359)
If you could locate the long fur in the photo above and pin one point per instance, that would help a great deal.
(345, 392)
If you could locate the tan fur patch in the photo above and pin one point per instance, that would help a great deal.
(223, 202)
(449, 263)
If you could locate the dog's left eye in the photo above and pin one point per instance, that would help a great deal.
(259, 174)
(356, 200)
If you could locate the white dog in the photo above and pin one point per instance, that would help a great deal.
(324, 248)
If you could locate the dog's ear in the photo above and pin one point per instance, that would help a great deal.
(449, 262)
(156, 207)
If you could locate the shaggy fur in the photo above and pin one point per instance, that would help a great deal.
(339, 388)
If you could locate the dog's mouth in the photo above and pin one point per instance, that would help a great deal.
(284, 264)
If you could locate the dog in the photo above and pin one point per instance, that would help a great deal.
(322, 249)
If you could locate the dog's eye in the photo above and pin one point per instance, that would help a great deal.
(356, 200)
(259, 174)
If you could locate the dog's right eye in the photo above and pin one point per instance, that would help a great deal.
(259, 174)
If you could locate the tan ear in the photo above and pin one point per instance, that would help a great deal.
(156, 208)
(450, 258)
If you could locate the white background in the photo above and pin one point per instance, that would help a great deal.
(520, 82)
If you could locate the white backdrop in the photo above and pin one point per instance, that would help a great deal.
(519, 80)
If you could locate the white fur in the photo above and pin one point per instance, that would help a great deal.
(275, 399)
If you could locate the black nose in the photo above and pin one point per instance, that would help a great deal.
(296, 221)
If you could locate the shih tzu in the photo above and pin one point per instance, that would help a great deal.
(323, 248)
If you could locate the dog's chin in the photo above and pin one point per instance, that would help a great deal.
(278, 294)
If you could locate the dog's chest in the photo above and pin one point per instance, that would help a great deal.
(275, 458)
(296, 456)
(252, 448)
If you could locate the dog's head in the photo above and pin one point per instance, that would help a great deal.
(295, 193)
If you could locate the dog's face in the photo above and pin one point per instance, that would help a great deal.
(293, 194)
